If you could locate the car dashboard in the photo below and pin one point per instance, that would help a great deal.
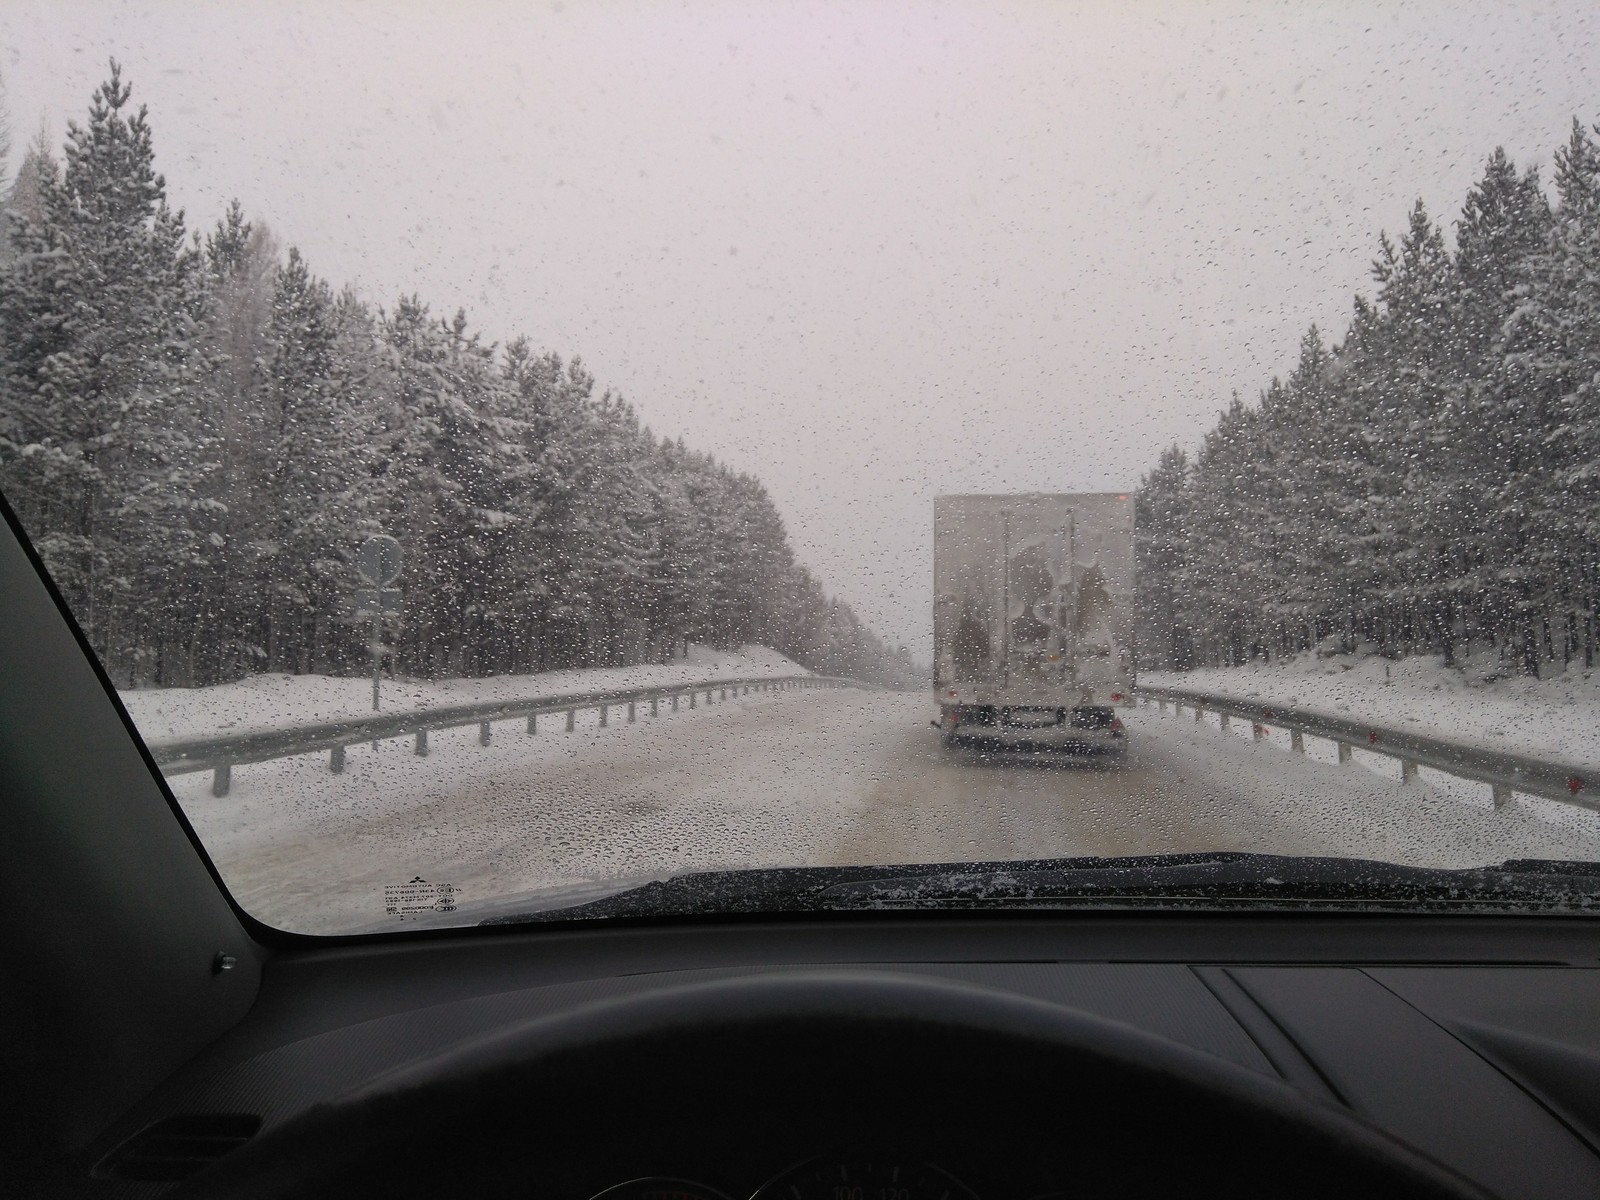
(1489, 1067)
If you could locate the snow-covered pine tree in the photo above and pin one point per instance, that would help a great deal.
(104, 448)
(1552, 347)
(445, 451)
(1161, 522)
(1492, 431)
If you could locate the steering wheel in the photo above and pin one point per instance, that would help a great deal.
(778, 1066)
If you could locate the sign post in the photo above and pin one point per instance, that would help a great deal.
(378, 565)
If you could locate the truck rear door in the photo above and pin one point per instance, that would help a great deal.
(1039, 596)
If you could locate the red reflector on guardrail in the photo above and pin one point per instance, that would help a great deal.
(1574, 784)
(1267, 714)
(1372, 736)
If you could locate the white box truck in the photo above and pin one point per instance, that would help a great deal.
(1033, 619)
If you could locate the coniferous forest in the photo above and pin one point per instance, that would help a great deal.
(1428, 485)
(197, 432)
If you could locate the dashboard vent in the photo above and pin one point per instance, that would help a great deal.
(176, 1147)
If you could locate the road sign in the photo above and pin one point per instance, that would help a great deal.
(376, 602)
(379, 560)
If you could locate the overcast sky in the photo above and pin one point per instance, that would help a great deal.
(870, 252)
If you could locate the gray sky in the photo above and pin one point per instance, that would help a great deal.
(871, 252)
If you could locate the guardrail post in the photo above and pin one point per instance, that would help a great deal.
(691, 697)
(674, 701)
(1222, 719)
(1257, 731)
(533, 722)
(655, 706)
(605, 711)
(336, 760)
(421, 747)
(724, 694)
(631, 715)
(1297, 741)
(1408, 771)
(708, 697)
(1161, 707)
(1500, 794)
(572, 719)
(1199, 714)
(1344, 752)
(484, 734)
(221, 779)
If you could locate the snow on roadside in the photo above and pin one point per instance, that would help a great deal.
(764, 779)
(1470, 702)
(267, 702)
(1264, 797)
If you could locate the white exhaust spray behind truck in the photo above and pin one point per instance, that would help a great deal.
(1033, 619)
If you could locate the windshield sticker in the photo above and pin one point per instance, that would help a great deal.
(418, 897)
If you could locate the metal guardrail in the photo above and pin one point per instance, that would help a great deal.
(1504, 772)
(220, 755)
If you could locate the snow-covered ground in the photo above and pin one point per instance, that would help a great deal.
(265, 702)
(762, 779)
(1472, 702)
(812, 777)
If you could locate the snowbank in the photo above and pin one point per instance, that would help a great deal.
(265, 702)
(1470, 702)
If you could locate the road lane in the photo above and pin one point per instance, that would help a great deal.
(936, 804)
(1184, 788)
(841, 777)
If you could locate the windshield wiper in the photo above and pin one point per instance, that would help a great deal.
(1194, 881)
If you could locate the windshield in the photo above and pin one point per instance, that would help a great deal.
(517, 462)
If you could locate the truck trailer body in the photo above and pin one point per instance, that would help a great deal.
(1033, 619)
